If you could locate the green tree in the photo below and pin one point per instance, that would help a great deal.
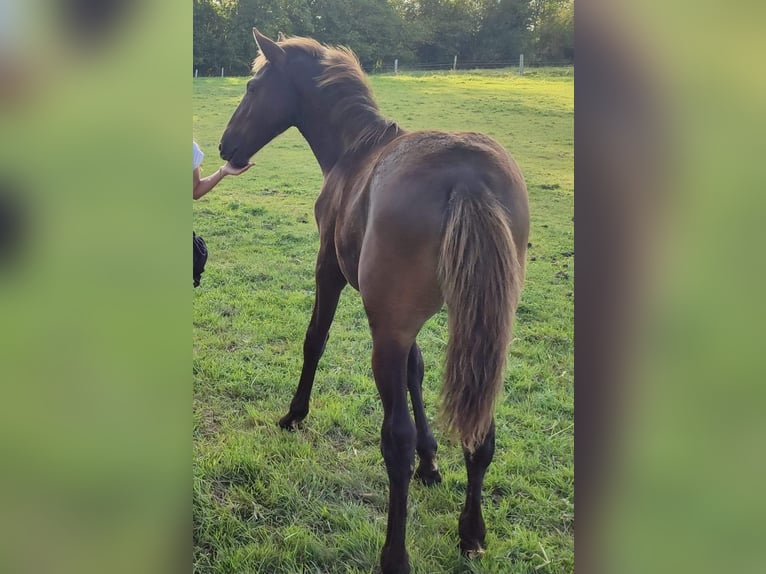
(372, 28)
(505, 30)
(242, 15)
(553, 29)
(437, 30)
(209, 26)
(415, 31)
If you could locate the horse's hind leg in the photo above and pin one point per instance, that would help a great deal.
(397, 444)
(427, 471)
(329, 284)
(471, 525)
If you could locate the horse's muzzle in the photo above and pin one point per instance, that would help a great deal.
(225, 154)
(231, 157)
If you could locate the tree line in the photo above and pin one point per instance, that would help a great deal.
(414, 31)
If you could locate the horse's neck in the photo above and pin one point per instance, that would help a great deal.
(326, 151)
(331, 136)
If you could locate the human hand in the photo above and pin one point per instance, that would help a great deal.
(229, 169)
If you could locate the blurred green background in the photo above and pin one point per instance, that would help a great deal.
(95, 312)
(682, 493)
(95, 304)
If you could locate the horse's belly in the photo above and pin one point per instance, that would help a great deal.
(348, 246)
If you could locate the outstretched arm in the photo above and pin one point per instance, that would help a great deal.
(205, 184)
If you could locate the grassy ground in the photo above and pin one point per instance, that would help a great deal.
(315, 501)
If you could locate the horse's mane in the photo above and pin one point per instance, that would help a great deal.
(342, 82)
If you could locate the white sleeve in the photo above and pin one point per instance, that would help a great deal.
(198, 155)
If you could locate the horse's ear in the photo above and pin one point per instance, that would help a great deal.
(271, 51)
(281, 37)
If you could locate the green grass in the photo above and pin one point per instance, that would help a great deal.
(315, 501)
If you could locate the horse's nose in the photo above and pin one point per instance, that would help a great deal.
(224, 153)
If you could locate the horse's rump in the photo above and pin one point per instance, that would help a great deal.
(447, 222)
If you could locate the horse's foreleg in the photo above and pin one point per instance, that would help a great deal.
(329, 284)
(427, 471)
(397, 444)
(471, 525)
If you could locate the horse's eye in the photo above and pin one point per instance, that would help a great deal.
(250, 87)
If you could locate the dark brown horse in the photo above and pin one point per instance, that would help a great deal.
(413, 220)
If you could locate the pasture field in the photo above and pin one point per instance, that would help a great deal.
(315, 501)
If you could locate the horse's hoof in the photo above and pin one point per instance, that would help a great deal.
(474, 554)
(290, 422)
(472, 550)
(428, 476)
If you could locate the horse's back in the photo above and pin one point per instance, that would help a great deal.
(416, 174)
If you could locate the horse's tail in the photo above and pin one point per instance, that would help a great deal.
(481, 279)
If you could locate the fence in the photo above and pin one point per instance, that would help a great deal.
(460, 65)
(456, 64)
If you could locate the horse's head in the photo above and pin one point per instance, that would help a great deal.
(268, 108)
